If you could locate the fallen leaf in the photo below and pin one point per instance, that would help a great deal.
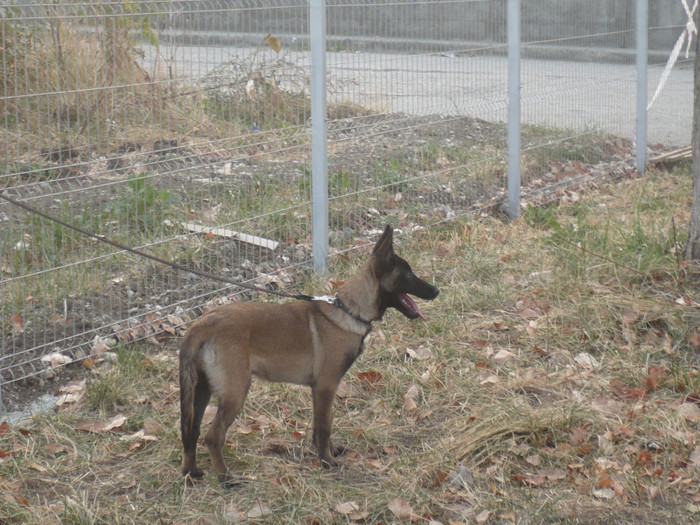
(689, 412)
(370, 380)
(617, 488)
(232, 514)
(636, 394)
(413, 391)
(409, 405)
(359, 516)
(644, 457)
(488, 378)
(534, 460)
(694, 339)
(419, 354)
(56, 359)
(604, 493)
(606, 405)
(68, 399)
(529, 313)
(695, 456)
(347, 507)
(437, 478)
(554, 474)
(529, 480)
(346, 390)
(115, 423)
(462, 478)
(604, 482)
(17, 323)
(618, 387)
(483, 516)
(257, 511)
(151, 427)
(621, 390)
(655, 375)
(586, 360)
(400, 508)
(34, 466)
(653, 492)
(99, 346)
(502, 356)
(95, 426)
(629, 318)
(577, 435)
(274, 43)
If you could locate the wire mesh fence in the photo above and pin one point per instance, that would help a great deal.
(183, 129)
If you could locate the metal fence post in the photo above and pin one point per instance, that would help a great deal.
(513, 21)
(642, 56)
(319, 151)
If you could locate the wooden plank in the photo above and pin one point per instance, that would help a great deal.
(670, 158)
(231, 234)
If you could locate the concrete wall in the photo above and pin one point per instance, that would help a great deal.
(448, 24)
(568, 21)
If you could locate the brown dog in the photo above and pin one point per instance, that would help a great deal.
(306, 342)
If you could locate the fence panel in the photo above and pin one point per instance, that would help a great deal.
(119, 119)
(182, 128)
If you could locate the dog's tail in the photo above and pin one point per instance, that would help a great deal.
(189, 378)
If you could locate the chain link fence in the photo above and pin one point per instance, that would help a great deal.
(182, 128)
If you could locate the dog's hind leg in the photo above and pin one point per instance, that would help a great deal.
(195, 392)
(230, 405)
(202, 394)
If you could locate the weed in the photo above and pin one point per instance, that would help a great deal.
(115, 387)
(145, 206)
(540, 217)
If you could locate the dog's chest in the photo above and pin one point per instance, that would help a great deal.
(351, 355)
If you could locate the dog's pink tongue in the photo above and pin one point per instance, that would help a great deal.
(411, 305)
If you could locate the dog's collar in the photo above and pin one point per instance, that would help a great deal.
(335, 301)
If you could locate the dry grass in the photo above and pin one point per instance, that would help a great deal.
(549, 385)
(69, 92)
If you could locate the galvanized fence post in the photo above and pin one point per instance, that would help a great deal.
(319, 150)
(513, 21)
(642, 57)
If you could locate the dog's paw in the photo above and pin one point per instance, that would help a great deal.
(338, 450)
(231, 482)
(328, 462)
(194, 473)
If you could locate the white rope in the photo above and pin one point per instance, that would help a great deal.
(688, 33)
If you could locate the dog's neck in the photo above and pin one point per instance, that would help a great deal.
(358, 297)
(338, 302)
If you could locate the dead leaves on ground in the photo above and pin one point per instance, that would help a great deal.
(400, 509)
(642, 431)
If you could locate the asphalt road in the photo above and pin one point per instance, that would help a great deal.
(563, 94)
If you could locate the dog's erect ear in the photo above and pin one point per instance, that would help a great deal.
(385, 244)
(382, 252)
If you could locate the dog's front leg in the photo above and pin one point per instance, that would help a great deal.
(323, 395)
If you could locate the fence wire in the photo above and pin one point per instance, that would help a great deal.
(183, 128)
